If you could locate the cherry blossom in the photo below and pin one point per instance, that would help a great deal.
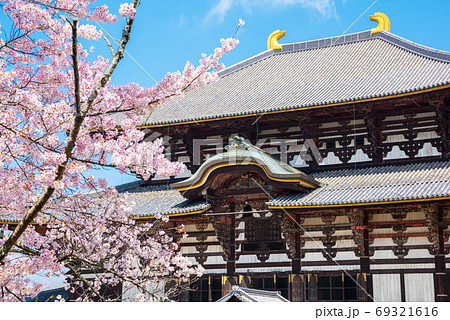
(61, 117)
(127, 9)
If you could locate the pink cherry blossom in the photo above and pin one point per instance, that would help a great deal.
(127, 9)
(58, 120)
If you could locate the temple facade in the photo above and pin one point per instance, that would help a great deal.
(318, 169)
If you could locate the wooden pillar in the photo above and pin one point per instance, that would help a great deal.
(359, 223)
(297, 287)
(439, 261)
(313, 294)
(291, 228)
(375, 135)
(225, 230)
(310, 140)
(210, 289)
(441, 283)
(231, 262)
(442, 112)
(296, 260)
(437, 237)
(367, 295)
(402, 286)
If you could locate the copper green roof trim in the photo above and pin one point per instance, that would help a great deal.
(242, 154)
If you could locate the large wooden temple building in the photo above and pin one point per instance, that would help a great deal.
(318, 169)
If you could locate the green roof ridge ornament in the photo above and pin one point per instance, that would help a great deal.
(237, 142)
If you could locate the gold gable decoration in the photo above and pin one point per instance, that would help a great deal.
(383, 22)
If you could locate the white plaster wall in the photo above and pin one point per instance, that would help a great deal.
(194, 240)
(394, 137)
(298, 162)
(314, 256)
(402, 266)
(427, 135)
(383, 254)
(329, 125)
(216, 271)
(333, 267)
(419, 287)
(360, 156)
(386, 287)
(252, 258)
(415, 215)
(391, 118)
(270, 131)
(342, 219)
(330, 159)
(396, 153)
(427, 151)
(271, 269)
(389, 254)
(346, 255)
(381, 217)
(313, 221)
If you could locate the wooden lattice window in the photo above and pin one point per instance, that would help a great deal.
(332, 288)
(262, 233)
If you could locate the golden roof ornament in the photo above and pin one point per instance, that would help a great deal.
(383, 22)
(272, 41)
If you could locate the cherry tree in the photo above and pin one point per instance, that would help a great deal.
(58, 120)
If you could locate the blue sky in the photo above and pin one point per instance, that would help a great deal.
(167, 33)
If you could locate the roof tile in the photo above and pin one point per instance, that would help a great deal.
(313, 73)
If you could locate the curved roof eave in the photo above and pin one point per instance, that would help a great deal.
(273, 169)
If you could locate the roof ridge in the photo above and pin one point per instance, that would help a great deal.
(408, 45)
(128, 184)
(258, 290)
(300, 46)
(417, 48)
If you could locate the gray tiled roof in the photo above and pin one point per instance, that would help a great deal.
(159, 198)
(313, 73)
(252, 295)
(149, 200)
(375, 184)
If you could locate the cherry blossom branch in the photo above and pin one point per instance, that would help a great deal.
(109, 45)
(12, 293)
(78, 121)
(80, 277)
(76, 73)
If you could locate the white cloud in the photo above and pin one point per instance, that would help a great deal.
(219, 10)
(326, 8)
